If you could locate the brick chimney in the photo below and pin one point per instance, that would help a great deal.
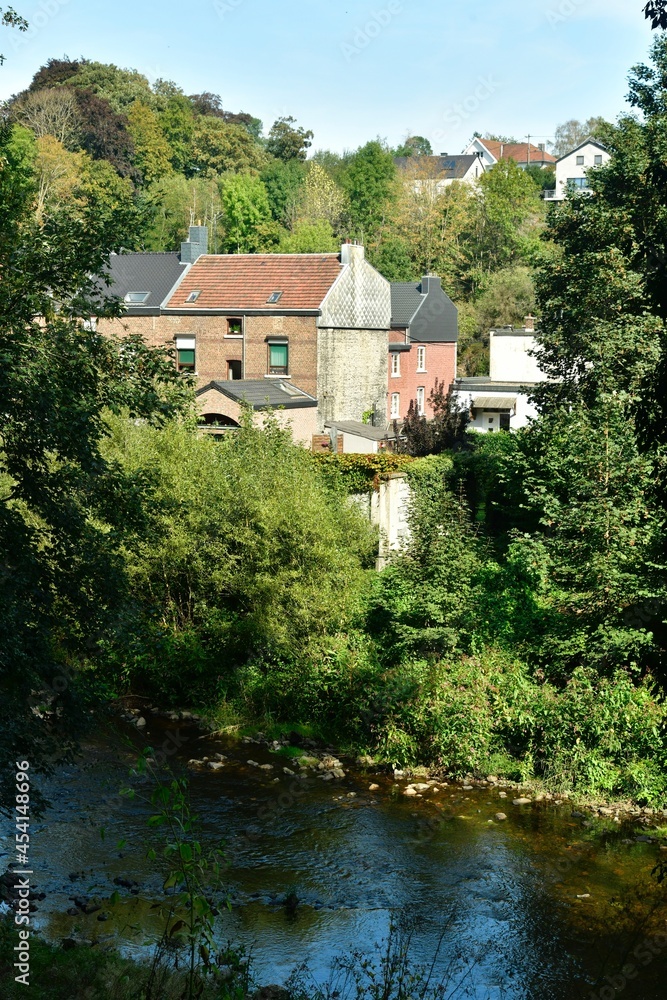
(197, 244)
(529, 324)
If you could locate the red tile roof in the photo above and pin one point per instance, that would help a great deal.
(245, 281)
(518, 151)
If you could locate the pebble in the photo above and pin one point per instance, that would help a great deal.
(491, 778)
(467, 788)
(502, 795)
(266, 767)
(410, 790)
(286, 770)
(215, 765)
(500, 817)
(521, 802)
(141, 722)
(373, 788)
(421, 787)
(253, 763)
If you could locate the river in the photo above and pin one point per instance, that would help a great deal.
(535, 906)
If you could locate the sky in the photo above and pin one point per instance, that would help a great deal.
(353, 70)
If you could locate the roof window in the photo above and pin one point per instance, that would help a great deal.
(136, 298)
(273, 298)
(194, 295)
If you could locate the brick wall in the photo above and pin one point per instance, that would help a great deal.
(440, 365)
(302, 421)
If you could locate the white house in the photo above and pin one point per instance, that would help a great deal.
(499, 401)
(439, 172)
(572, 168)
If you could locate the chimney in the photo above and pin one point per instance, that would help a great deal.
(429, 282)
(197, 244)
(529, 324)
(350, 252)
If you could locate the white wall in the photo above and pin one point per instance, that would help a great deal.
(477, 146)
(510, 360)
(567, 167)
(489, 420)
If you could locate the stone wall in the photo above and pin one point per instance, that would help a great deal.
(352, 374)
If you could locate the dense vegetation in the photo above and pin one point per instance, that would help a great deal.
(521, 629)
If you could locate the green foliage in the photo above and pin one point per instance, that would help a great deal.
(310, 237)
(245, 207)
(370, 181)
(415, 145)
(152, 155)
(391, 256)
(218, 146)
(507, 298)
(283, 181)
(248, 555)
(359, 473)
(288, 141)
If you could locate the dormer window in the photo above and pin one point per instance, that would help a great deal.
(136, 298)
(194, 295)
(273, 298)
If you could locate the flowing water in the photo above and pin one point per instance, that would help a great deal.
(543, 905)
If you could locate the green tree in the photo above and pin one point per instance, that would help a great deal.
(310, 237)
(218, 147)
(283, 182)
(173, 202)
(151, 151)
(288, 141)
(371, 184)
(569, 134)
(64, 511)
(507, 298)
(10, 19)
(245, 207)
(177, 122)
(415, 145)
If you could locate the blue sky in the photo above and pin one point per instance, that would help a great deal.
(352, 70)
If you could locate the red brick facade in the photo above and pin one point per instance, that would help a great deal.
(214, 348)
(439, 364)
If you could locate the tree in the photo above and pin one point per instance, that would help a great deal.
(507, 298)
(174, 201)
(283, 182)
(64, 511)
(177, 122)
(10, 19)
(371, 185)
(571, 133)
(245, 206)
(320, 199)
(415, 145)
(104, 134)
(54, 73)
(656, 12)
(392, 258)
(218, 146)
(119, 87)
(287, 141)
(58, 174)
(310, 237)
(445, 431)
(52, 112)
(151, 151)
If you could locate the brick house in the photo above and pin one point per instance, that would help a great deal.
(318, 322)
(422, 344)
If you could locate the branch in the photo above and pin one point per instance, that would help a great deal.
(656, 12)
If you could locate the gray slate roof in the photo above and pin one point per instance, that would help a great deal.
(156, 273)
(450, 168)
(263, 393)
(425, 310)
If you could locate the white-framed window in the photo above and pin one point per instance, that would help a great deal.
(136, 298)
(395, 406)
(421, 359)
(185, 354)
(580, 161)
(598, 159)
(395, 364)
(420, 400)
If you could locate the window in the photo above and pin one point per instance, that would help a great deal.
(194, 295)
(577, 182)
(490, 420)
(273, 298)
(233, 371)
(420, 400)
(234, 327)
(504, 421)
(598, 159)
(278, 356)
(395, 364)
(580, 161)
(395, 406)
(136, 298)
(185, 354)
(421, 359)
